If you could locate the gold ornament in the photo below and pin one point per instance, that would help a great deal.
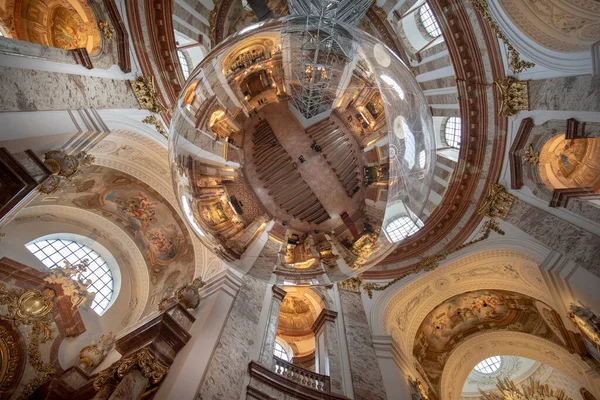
(188, 295)
(145, 91)
(143, 360)
(351, 285)
(515, 64)
(531, 157)
(106, 29)
(533, 390)
(152, 120)
(31, 307)
(429, 263)
(498, 202)
(514, 96)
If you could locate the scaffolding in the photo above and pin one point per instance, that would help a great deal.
(348, 11)
(318, 49)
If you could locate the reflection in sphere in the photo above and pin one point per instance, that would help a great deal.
(295, 143)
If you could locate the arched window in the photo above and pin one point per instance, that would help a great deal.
(401, 228)
(53, 253)
(185, 67)
(489, 365)
(429, 22)
(280, 352)
(451, 132)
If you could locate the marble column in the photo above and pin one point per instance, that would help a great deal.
(131, 386)
(575, 243)
(31, 90)
(327, 353)
(104, 392)
(572, 93)
(366, 376)
(224, 377)
(268, 347)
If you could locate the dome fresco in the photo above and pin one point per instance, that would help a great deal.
(272, 145)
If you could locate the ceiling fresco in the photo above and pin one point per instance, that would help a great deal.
(140, 211)
(461, 316)
(65, 24)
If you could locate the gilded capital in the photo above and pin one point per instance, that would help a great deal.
(142, 359)
(498, 202)
(514, 96)
(145, 90)
(351, 285)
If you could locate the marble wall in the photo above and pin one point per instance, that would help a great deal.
(31, 90)
(225, 374)
(366, 376)
(577, 244)
(573, 93)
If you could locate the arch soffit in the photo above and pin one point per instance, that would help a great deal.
(486, 344)
(147, 160)
(118, 242)
(499, 269)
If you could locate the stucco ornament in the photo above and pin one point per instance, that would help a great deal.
(70, 278)
(63, 167)
(92, 355)
(188, 294)
(531, 391)
(586, 321)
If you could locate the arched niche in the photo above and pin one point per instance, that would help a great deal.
(570, 163)
(299, 310)
(558, 25)
(506, 267)
(64, 24)
(478, 347)
(466, 314)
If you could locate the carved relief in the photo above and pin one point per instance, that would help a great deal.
(560, 25)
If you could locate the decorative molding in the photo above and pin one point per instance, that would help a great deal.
(429, 263)
(326, 315)
(561, 197)
(278, 292)
(515, 63)
(82, 57)
(575, 129)
(514, 96)
(122, 37)
(516, 165)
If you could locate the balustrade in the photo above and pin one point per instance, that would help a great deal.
(302, 376)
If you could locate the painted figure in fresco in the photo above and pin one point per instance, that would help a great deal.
(162, 241)
(140, 207)
(65, 28)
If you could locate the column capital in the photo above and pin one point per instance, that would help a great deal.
(278, 292)
(326, 315)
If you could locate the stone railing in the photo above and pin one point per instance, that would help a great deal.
(302, 376)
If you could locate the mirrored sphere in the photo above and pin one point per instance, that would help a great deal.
(302, 148)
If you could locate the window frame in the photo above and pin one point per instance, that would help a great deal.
(184, 63)
(393, 237)
(455, 135)
(429, 22)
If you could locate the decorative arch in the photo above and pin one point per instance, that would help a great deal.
(478, 347)
(466, 314)
(134, 269)
(559, 25)
(65, 24)
(509, 265)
